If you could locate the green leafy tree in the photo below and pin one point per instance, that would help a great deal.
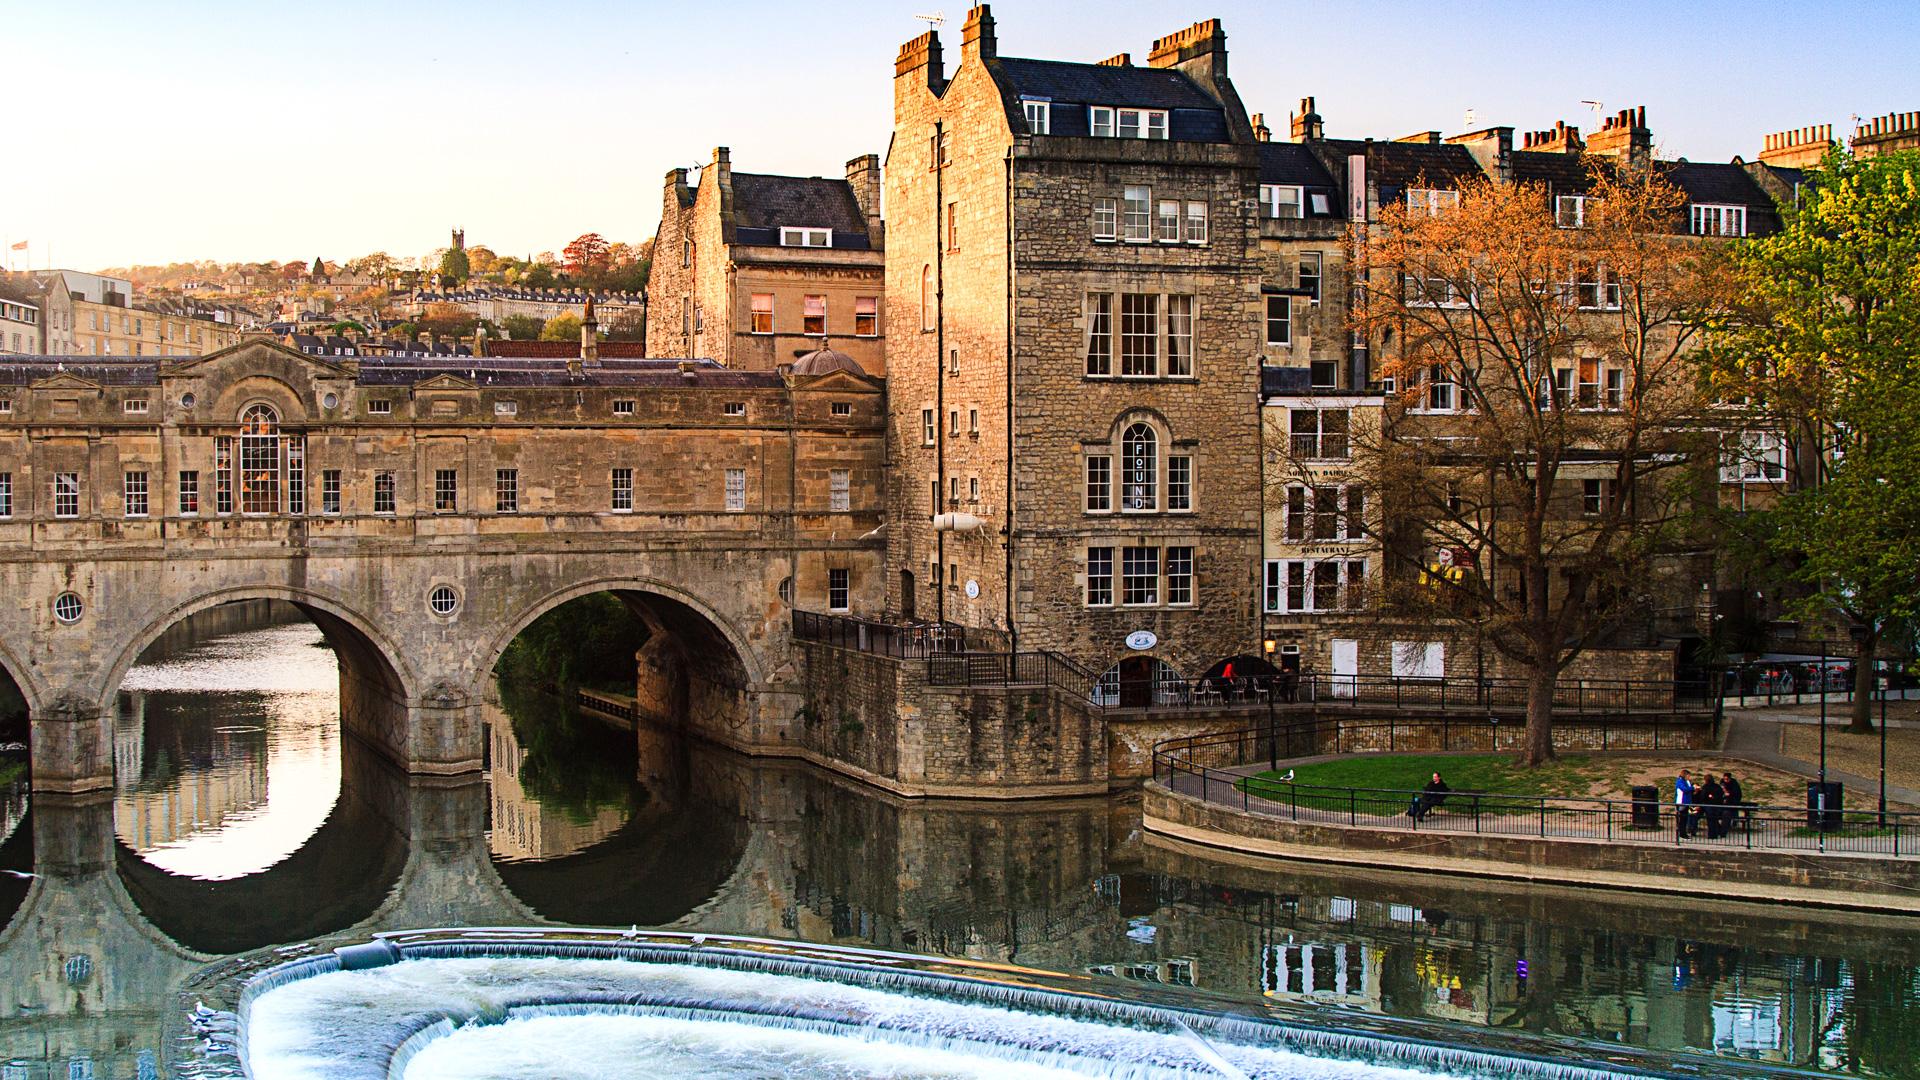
(523, 327)
(561, 328)
(539, 276)
(1825, 346)
(454, 267)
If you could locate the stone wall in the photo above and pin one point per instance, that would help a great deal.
(876, 718)
(1832, 880)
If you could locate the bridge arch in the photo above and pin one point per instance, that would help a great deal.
(378, 683)
(697, 659)
(22, 675)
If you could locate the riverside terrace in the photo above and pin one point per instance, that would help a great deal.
(1219, 791)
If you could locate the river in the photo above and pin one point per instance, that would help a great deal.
(242, 820)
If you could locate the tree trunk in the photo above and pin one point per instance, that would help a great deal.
(1862, 722)
(1537, 745)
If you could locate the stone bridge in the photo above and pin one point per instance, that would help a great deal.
(423, 511)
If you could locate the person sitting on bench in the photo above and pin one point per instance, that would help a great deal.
(1429, 799)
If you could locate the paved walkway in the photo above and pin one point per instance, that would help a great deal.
(1565, 819)
(1756, 737)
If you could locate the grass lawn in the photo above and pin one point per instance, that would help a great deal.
(1588, 776)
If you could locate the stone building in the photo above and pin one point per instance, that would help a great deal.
(1074, 303)
(92, 315)
(21, 325)
(1885, 134)
(754, 270)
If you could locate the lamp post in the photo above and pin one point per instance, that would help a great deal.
(1822, 681)
(1883, 749)
(1273, 734)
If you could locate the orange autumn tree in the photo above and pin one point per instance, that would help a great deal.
(1540, 428)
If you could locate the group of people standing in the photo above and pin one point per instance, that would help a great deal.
(1712, 802)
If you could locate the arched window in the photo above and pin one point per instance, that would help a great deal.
(926, 297)
(259, 460)
(1139, 469)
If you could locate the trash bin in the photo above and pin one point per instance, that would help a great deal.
(1646, 807)
(1823, 805)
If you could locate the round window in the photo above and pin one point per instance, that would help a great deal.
(786, 591)
(187, 400)
(443, 600)
(68, 608)
(331, 401)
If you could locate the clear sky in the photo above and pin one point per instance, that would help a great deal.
(255, 129)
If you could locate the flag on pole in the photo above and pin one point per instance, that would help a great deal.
(21, 246)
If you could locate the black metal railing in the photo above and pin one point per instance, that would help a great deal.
(907, 641)
(1011, 669)
(1641, 820)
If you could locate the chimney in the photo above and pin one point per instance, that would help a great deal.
(1492, 149)
(1124, 59)
(1884, 134)
(863, 176)
(1431, 138)
(1563, 139)
(589, 337)
(1261, 133)
(976, 35)
(1624, 135)
(1305, 125)
(722, 169)
(1199, 48)
(1801, 148)
(922, 54)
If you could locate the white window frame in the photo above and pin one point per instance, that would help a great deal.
(1099, 568)
(805, 236)
(134, 406)
(1317, 260)
(1100, 121)
(623, 407)
(840, 491)
(1284, 323)
(736, 491)
(1141, 564)
(1168, 218)
(839, 588)
(1719, 219)
(929, 427)
(380, 407)
(1279, 582)
(1196, 221)
(66, 494)
(1106, 220)
(134, 492)
(620, 490)
(755, 311)
(734, 408)
(1570, 211)
(329, 491)
(866, 313)
(1098, 474)
(1271, 202)
(1432, 201)
(1171, 580)
(1757, 457)
(1039, 114)
(1136, 214)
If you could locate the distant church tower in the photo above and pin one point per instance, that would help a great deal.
(459, 239)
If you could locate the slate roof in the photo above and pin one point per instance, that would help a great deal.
(1192, 115)
(762, 204)
(1726, 184)
(1292, 163)
(27, 370)
(1396, 166)
(1562, 174)
(491, 371)
(609, 350)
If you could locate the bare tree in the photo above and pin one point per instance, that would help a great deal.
(1540, 456)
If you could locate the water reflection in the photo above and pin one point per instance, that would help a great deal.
(223, 765)
(237, 839)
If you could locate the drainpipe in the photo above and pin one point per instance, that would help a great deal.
(1013, 630)
(939, 374)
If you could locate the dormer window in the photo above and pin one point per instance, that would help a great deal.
(1039, 115)
(1431, 201)
(806, 237)
(1109, 122)
(1280, 201)
(1710, 220)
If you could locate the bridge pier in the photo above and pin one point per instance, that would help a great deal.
(71, 742)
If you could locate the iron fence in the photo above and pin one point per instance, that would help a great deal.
(907, 641)
(1641, 820)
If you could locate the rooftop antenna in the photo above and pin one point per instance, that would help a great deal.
(1599, 108)
(1467, 122)
(934, 20)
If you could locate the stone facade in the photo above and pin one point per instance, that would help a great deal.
(993, 272)
(423, 516)
(755, 270)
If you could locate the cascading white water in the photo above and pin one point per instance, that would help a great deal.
(482, 1017)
